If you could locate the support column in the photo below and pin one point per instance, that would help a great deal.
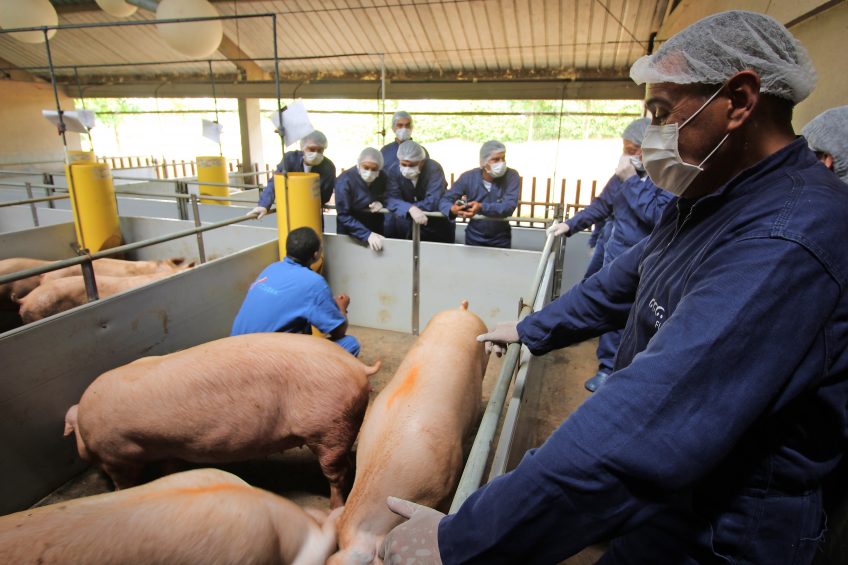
(251, 136)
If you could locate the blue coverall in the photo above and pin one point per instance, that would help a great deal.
(499, 202)
(293, 163)
(289, 297)
(728, 406)
(390, 160)
(635, 206)
(353, 196)
(426, 194)
(600, 233)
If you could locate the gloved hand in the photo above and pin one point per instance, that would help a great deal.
(625, 168)
(260, 212)
(500, 337)
(417, 215)
(560, 228)
(375, 206)
(416, 541)
(375, 241)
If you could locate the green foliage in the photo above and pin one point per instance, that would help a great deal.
(100, 105)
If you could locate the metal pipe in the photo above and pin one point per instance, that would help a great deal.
(383, 97)
(201, 249)
(416, 276)
(125, 23)
(215, 101)
(472, 475)
(32, 205)
(33, 200)
(88, 279)
(55, 90)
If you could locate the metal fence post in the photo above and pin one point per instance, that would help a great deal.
(32, 204)
(48, 179)
(416, 276)
(181, 187)
(201, 250)
(88, 277)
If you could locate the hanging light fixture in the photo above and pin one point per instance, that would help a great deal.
(117, 8)
(32, 13)
(195, 39)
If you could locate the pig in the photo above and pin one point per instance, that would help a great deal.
(233, 399)
(62, 294)
(200, 516)
(120, 268)
(10, 292)
(411, 444)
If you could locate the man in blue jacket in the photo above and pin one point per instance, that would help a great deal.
(492, 190)
(634, 206)
(310, 159)
(417, 186)
(827, 135)
(710, 441)
(402, 128)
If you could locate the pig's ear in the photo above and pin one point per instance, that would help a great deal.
(69, 429)
(464, 305)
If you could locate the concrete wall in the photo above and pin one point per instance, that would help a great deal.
(29, 138)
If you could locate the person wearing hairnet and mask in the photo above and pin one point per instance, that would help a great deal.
(310, 159)
(416, 186)
(492, 190)
(360, 196)
(827, 135)
(631, 158)
(710, 441)
(633, 207)
(402, 128)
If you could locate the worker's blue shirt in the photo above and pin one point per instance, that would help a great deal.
(426, 194)
(353, 196)
(499, 201)
(288, 297)
(293, 163)
(602, 228)
(635, 207)
(389, 151)
(728, 404)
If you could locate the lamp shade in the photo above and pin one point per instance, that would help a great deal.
(117, 8)
(195, 39)
(32, 13)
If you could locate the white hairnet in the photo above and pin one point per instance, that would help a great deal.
(636, 130)
(715, 48)
(828, 132)
(371, 155)
(488, 149)
(410, 151)
(400, 114)
(314, 138)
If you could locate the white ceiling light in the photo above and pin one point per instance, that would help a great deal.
(195, 39)
(117, 8)
(32, 13)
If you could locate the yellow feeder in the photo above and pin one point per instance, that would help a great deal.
(212, 169)
(94, 207)
(81, 156)
(303, 202)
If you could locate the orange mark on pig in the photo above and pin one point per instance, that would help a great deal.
(406, 386)
(220, 487)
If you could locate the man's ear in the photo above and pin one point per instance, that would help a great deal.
(744, 95)
(827, 160)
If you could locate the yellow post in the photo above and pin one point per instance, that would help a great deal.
(81, 156)
(93, 201)
(212, 169)
(300, 205)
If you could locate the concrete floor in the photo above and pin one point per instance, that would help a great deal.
(296, 475)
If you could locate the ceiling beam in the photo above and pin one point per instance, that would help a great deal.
(12, 72)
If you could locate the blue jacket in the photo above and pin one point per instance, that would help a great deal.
(602, 228)
(500, 202)
(636, 206)
(427, 194)
(728, 403)
(352, 199)
(390, 160)
(293, 163)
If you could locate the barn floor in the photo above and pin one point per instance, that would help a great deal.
(296, 475)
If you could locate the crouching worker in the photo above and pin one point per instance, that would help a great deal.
(289, 297)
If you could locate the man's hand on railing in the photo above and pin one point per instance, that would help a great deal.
(375, 241)
(471, 209)
(375, 206)
(417, 215)
(260, 212)
(560, 228)
(499, 338)
(417, 539)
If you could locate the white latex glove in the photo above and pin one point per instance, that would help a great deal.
(375, 241)
(260, 212)
(625, 168)
(416, 541)
(417, 215)
(375, 206)
(560, 228)
(500, 337)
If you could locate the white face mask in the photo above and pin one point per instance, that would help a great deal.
(368, 176)
(637, 163)
(313, 158)
(410, 173)
(661, 155)
(498, 169)
(403, 134)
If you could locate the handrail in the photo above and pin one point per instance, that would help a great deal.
(34, 200)
(11, 277)
(472, 475)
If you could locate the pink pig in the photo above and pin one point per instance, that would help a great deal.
(232, 399)
(120, 268)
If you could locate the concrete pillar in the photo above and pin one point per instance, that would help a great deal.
(251, 136)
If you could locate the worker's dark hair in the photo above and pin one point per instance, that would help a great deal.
(301, 245)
